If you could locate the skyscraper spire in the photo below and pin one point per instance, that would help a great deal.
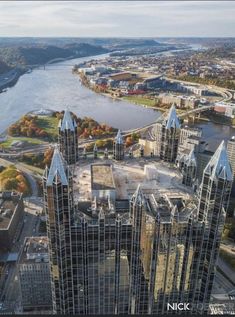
(68, 138)
(188, 167)
(172, 120)
(190, 160)
(219, 166)
(119, 138)
(67, 123)
(118, 147)
(137, 197)
(95, 151)
(95, 148)
(57, 169)
(168, 136)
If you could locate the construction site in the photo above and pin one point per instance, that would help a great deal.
(119, 180)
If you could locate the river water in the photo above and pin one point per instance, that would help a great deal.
(56, 88)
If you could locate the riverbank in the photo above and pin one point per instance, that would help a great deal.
(135, 103)
(151, 103)
(146, 103)
(10, 78)
(56, 87)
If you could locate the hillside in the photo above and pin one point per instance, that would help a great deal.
(40, 54)
(4, 67)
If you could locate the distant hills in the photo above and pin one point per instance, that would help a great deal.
(20, 52)
(22, 55)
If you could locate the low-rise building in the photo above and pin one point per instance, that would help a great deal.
(149, 146)
(190, 137)
(225, 108)
(195, 89)
(11, 212)
(34, 275)
(179, 101)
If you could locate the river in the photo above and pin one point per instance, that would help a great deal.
(56, 88)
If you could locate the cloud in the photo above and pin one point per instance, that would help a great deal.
(117, 18)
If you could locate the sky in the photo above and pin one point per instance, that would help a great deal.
(117, 18)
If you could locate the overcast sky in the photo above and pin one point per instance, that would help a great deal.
(117, 18)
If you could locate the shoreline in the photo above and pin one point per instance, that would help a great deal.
(13, 81)
(134, 103)
(24, 70)
(203, 119)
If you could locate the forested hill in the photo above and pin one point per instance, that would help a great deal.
(3, 67)
(39, 54)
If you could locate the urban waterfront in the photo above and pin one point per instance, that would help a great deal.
(55, 87)
(117, 158)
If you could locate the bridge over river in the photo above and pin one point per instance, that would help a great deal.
(182, 115)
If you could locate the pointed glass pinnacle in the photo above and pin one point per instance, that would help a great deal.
(172, 120)
(219, 166)
(67, 123)
(119, 138)
(57, 169)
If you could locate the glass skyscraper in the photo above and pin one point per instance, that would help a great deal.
(139, 259)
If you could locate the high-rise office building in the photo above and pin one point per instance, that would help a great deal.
(231, 156)
(68, 138)
(59, 206)
(167, 136)
(213, 203)
(118, 147)
(231, 152)
(188, 167)
(162, 249)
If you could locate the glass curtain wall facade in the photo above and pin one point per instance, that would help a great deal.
(136, 261)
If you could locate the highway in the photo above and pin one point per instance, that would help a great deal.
(19, 152)
(224, 92)
(185, 114)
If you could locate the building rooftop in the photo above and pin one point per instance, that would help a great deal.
(187, 127)
(8, 204)
(171, 205)
(102, 177)
(232, 139)
(35, 250)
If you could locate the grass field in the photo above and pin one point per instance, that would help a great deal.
(49, 124)
(140, 100)
(46, 123)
